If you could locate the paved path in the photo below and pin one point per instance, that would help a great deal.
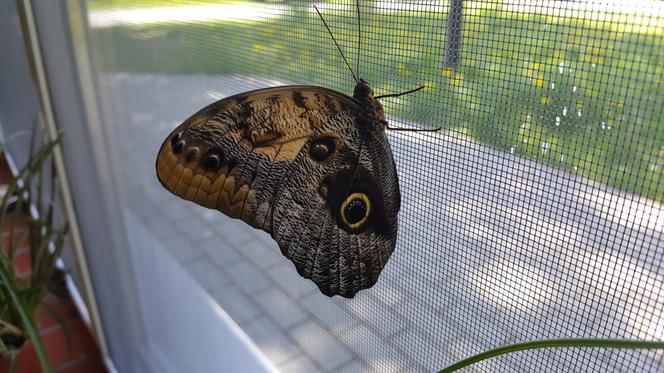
(492, 249)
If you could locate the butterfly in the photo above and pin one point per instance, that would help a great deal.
(310, 166)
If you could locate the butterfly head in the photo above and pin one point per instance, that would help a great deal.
(362, 90)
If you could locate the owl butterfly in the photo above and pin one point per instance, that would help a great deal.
(310, 166)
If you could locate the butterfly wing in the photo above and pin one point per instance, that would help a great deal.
(308, 222)
(284, 160)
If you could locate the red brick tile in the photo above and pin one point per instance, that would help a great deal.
(65, 309)
(17, 223)
(89, 364)
(4, 166)
(81, 342)
(5, 172)
(20, 230)
(4, 364)
(83, 356)
(27, 361)
(5, 178)
(22, 263)
(19, 238)
(56, 347)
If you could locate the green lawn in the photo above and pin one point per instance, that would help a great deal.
(585, 96)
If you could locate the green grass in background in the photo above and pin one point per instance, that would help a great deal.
(582, 95)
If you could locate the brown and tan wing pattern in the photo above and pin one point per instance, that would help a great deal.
(215, 156)
(285, 160)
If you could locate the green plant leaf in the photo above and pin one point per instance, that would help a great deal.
(4, 350)
(554, 343)
(26, 319)
(60, 321)
(23, 297)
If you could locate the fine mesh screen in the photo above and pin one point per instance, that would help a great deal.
(534, 212)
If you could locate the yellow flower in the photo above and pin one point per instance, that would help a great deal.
(257, 46)
(538, 82)
(546, 100)
(617, 105)
(458, 78)
(447, 72)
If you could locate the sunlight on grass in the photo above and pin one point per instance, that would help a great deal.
(241, 13)
(129, 4)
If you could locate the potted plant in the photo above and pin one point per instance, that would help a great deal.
(22, 294)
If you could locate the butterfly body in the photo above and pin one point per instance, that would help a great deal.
(309, 165)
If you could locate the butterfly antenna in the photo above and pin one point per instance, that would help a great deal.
(359, 37)
(337, 44)
(414, 129)
(408, 129)
(400, 94)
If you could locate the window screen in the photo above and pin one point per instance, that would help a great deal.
(535, 212)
